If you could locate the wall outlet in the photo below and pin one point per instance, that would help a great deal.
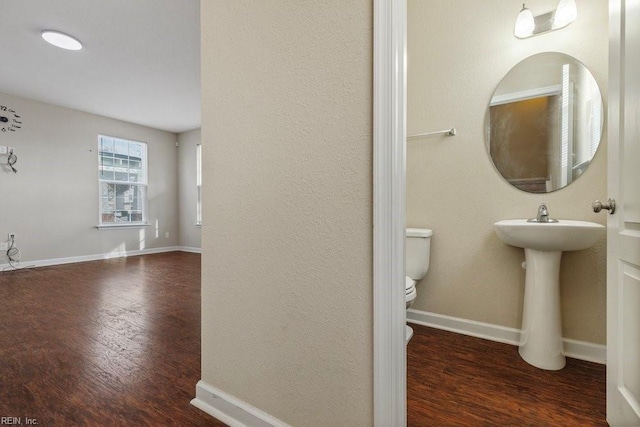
(11, 150)
(4, 246)
(12, 236)
(3, 149)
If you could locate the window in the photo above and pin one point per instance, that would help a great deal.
(122, 176)
(199, 184)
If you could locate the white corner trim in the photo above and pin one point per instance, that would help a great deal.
(389, 176)
(230, 410)
(582, 350)
(96, 257)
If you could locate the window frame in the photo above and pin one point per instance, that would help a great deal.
(142, 184)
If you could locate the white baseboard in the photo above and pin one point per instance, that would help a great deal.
(190, 249)
(572, 348)
(230, 410)
(97, 257)
(582, 350)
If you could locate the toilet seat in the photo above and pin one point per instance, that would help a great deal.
(409, 283)
(410, 295)
(410, 289)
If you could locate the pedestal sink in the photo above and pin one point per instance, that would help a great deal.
(543, 243)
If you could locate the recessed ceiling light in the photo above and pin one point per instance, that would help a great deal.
(61, 40)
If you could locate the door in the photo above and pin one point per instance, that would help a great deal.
(623, 227)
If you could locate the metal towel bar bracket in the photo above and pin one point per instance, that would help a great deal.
(447, 132)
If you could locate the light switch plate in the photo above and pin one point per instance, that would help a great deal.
(3, 149)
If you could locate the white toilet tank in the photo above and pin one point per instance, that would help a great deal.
(417, 245)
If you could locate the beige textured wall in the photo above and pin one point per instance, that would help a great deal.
(187, 189)
(52, 201)
(457, 55)
(287, 231)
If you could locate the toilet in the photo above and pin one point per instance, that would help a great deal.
(417, 246)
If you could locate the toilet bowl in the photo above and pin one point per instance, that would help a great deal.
(410, 288)
(410, 296)
(417, 251)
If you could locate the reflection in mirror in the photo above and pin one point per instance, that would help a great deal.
(545, 122)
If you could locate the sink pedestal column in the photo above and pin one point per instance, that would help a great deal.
(541, 337)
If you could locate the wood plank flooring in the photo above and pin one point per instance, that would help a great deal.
(104, 343)
(117, 342)
(457, 380)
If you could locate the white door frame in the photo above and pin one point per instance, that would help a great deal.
(389, 189)
(622, 233)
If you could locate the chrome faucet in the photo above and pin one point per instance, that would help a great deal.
(543, 215)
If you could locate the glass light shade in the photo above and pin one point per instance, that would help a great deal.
(524, 23)
(566, 13)
(61, 40)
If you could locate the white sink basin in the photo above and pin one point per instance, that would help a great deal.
(564, 235)
(541, 342)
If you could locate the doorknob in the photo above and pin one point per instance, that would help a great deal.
(609, 205)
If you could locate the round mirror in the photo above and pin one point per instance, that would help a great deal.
(545, 122)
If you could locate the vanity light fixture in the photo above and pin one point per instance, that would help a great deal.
(525, 23)
(61, 40)
(566, 13)
(528, 25)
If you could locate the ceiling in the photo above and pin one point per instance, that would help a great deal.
(140, 62)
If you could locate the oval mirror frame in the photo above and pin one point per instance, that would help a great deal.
(544, 122)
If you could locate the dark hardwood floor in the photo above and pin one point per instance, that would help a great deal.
(104, 343)
(457, 380)
(117, 343)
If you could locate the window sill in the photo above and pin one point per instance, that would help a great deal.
(114, 226)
